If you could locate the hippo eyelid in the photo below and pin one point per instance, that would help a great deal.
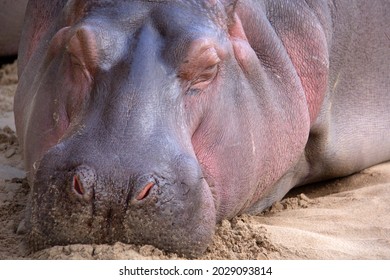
(208, 75)
(200, 66)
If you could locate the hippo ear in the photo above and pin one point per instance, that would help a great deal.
(234, 24)
(230, 7)
(235, 28)
(243, 51)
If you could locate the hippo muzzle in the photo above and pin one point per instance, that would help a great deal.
(74, 202)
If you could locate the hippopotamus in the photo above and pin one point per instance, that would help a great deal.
(151, 121)
(11, 21)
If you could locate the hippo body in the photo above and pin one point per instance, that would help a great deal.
(151, 121)
(11, 21)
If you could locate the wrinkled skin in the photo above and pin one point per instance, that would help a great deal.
(150, 121)
(11, 21)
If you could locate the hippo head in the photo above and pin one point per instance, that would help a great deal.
(148, 122)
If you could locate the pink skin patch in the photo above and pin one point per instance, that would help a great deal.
(144, 193)
(77, 186)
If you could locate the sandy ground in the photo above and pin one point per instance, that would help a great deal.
(342, 219)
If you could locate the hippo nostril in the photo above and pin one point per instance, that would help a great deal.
(77, 186)
(83, 181)
(145, 191)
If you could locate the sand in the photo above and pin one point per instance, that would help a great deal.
(345, 218)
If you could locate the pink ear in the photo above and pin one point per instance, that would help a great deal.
(230, 7)
(243, 51)
(236, 29)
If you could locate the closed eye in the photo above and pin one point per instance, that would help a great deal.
(206, 76)
(200, 66)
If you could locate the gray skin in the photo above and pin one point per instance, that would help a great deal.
(149, 122)
(11, 22)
